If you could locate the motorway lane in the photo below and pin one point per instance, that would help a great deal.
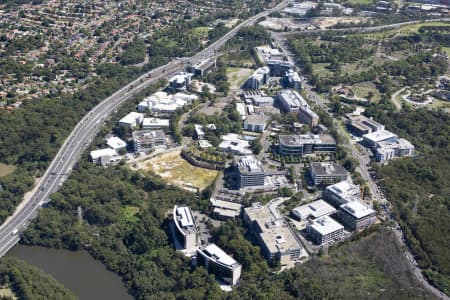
(85, 131)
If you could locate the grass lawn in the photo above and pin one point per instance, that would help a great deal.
(404, 30)
(446, 50)
(6, 169)
(445, 105)
(362, 90)
(177, 171)
(321, 70)
(238, 76)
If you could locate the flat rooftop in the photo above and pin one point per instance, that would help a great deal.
(345, 190)
(96, 154)
(298, 140)
(115, 142)
(131, 118)
(379, 136)
(146, 135)
(184, 219)
(292, 98)
(249, 164)
(213, 251)
(279, 239)
(256, 119)
(226, 204)
(325, 225)
(155, 122)
(314, 209)
(357, 209)
(328, 168)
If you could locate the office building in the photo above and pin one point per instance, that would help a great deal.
(360, 125)
(307, 116)
(292, 80)
(146, 140)
(386, 151)
(299, 145)
(133, 119)
(371, 140)
(250, 171)
(217, 262)
(232, 142)
(116, 143)
(180, 81)
(326, 173)
(185, 229)
(278, 68)
(105, 157)
(356, 215)
(258, 79)
(199, 132)
(313, 210)
(341, 193)
(292, 101)
(274, 236)
(225, 210)
(156, 123)
(256, 123)
(324, 230)
(164, 103)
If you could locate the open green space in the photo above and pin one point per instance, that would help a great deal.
(201, 30)
(6, 169)
(365, 89)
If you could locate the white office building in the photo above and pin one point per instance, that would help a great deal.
(232, 142)
(357, 215)
(324, 230)
(258, 79)
(105, 157)
(217, 262)
(116, 143)
(133, 119)
(256, 123)
(250, 171)
(313, 210)
(180, 81)
(185, 228)
(341, 193)
(155, 123)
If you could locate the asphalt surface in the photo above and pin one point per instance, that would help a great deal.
(83, 133)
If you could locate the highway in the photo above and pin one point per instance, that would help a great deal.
(89, 126)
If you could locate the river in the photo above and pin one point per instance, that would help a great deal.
(78, 271)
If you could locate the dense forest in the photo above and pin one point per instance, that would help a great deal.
(419, 187)
(28, 282)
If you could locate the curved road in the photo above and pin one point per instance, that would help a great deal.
(87, 129)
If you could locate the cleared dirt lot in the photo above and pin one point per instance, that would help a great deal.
(177, 171)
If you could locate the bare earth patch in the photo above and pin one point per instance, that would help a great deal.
(177, 171)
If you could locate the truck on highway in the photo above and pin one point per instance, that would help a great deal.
(15, 231)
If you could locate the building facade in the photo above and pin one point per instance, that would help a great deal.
(326, 173)
(299, 145)
(324, 230)
(217, 262)
(356, 215)
(146, 140)
(185, 228)
(250, 171)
